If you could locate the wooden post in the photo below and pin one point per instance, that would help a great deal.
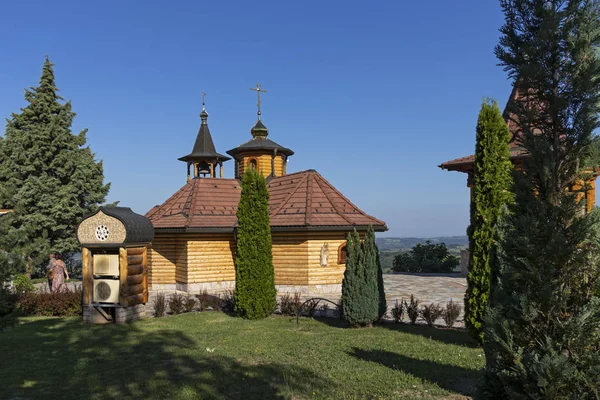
(123, 291)
(86, 276)
(212, 170)
(145, 274)
(220, 170)
(188, 167)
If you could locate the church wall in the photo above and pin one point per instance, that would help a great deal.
(290, 258)
(264, 163)
(210, 257)
(166, 260)
(333, 272)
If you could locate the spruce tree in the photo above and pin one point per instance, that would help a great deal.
(48, 176)
(492, 190)
(360, 297)
(372, 254)
(542, 331)
(255, 295)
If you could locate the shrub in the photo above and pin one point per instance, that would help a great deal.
(228, 302)
(310, 308)
(189, 303)
(451, 313)
(360, 295)
(431, 313)
(412, 309)
(340, 309)
(176, 303)
(324, 309)
(8, 308)
(255, 293)
(160, 305)
(23, 285)
(398, 311)
(63, 303)
(290, 305)
(204, 300)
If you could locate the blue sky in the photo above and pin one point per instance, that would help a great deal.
(374, 96)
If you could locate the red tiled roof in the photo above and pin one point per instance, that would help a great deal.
(302, 200)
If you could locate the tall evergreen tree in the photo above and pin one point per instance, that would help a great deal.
(48, 176)
(255, 295)
(360, 297)
(492, 190)
(373, 264)
(542, 332)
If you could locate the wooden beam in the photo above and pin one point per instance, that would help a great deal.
(123, 273)
(86, 274)
(145, 275)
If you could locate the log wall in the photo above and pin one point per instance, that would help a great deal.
(333, 273)
(167, 259)
(290, 258)
(264, 163)
(210, 258)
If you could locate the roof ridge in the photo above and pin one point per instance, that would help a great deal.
(332, 202)
(308, 212)
(284, 202)
(188, 203)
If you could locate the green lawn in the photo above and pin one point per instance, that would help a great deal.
(211, 355)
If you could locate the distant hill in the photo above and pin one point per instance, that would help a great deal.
(389, 247)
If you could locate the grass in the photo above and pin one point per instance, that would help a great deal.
(211, 355)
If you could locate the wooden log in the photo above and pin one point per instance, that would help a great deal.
(123, 272)
(136, 259)
(135, 299)
(136, 251)
(136, 289)
(135, 269)
(135, 279)
(86, 274)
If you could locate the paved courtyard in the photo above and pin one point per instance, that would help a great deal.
(427, 288)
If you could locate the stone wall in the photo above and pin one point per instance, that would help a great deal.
(108, 315)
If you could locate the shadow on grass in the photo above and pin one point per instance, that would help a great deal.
(455, 336)
(456, 379)
(63, 358)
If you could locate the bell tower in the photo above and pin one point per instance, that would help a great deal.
(204, 159)
(260, 153)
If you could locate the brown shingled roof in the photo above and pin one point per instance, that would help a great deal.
(298, 201)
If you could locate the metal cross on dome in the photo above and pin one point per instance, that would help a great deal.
(258, 90)
(203, 94)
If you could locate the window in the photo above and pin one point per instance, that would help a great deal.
(342, 254)
(253, 164)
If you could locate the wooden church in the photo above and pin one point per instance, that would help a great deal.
(195, 229)
(466, 164)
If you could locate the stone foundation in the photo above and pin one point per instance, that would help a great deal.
(333, 291)
(213, 288)
(108, 315)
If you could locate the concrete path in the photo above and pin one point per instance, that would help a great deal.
(428, 288)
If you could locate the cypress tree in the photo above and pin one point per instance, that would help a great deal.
(255, 295)
(492, 190)
(360, 298)
(542, 331)
(48, 176)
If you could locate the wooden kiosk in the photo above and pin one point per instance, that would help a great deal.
(114, 244)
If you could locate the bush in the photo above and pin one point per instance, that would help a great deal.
(160, 305)
(8, 308)
(431, 313)
(176, 303)
(428, 257)
(451, 313)
(63, 303)
(398, 311)
(189, 303)
(310, 308)
(23, 285)
(204, 300)
(290, 305)
(228, 302)
(324, 309)
(412, 309)
(255, 293)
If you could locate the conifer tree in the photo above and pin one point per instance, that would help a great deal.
(360, 297)
(542, 331)
(48, 176)
(492, 190)
(374, 265)
(255, 295)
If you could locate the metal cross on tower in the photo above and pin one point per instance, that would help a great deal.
(258, 90)
(203, 94)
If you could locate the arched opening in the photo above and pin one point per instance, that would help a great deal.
(253, 164)
(342, 253)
